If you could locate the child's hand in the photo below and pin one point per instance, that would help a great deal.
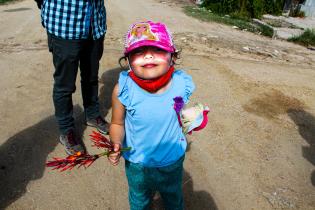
(114, 156)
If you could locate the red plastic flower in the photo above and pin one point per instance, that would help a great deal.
(79, 159)
(84, 159)
(101, 141)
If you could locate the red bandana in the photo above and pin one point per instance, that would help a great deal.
(153, 85)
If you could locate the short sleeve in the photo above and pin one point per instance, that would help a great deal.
(123, 95)
(189, 86)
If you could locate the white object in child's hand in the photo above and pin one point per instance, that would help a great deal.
(194, 118)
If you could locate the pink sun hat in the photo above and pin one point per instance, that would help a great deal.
(148, 33)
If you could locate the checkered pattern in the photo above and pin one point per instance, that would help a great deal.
(71, 19)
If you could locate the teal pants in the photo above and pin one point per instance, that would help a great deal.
(145, 181)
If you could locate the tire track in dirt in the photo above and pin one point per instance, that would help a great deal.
(8, 46)
(270, 102)
(258, 137)
(210, 44)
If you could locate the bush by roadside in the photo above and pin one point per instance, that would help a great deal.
(245, 8)
(306, 39)
(5, 1)
(241, 23)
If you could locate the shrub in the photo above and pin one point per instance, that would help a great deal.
(305, 39)
(5, 1)
(234, 20)
(245, 8)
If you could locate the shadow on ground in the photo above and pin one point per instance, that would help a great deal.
(108, 80)
(306, 123)
(200, 200)
(23, 156)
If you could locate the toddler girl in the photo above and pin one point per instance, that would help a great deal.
(144, 118)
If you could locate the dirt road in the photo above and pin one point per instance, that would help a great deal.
(258, 151)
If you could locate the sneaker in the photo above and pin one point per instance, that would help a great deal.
(70, 143)
(100, 124)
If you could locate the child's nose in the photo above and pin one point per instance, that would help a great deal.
(148, 54)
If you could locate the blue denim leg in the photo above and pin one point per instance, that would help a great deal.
(168, 181)
(140, 191)
(144, 181)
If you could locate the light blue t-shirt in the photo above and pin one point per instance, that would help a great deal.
(151, 124)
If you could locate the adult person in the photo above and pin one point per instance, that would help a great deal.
(75, 30)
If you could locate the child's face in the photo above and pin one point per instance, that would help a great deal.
(150, 62)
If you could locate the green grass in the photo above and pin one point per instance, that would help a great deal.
(205, 15)
(305, 39)
(5, 1)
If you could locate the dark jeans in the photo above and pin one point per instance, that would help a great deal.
(144, 181)
(68, 56)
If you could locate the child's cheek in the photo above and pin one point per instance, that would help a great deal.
(136, 61)
(163, 57)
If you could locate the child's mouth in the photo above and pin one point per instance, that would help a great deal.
(149, 65)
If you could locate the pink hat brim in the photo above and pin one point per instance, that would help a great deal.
(152, 43)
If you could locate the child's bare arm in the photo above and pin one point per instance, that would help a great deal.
(117, 128)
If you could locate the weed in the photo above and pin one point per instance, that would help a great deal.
(234, 20)
(305, 39)
(5, 1)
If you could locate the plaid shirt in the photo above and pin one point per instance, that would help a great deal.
(72, 19)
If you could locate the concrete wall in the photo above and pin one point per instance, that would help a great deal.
(308, 8)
